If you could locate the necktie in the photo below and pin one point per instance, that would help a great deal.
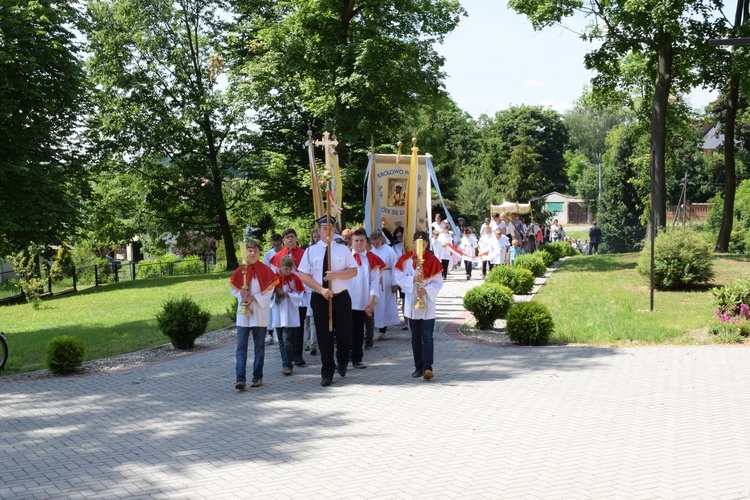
(325, 266)
(358, 258)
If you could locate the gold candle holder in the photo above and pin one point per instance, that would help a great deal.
(244, 310)
(419, 304)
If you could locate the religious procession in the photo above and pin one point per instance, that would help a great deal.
(329, 296)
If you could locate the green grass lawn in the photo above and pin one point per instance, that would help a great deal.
(111, 319)
(602, 300)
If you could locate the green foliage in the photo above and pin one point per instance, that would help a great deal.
(164, 117)
(42, 178)
(62, 265)
(532, 262)
(730, 333)
(682, 258)
(65, 354)
(729, 298)
(529, 323)
(559, 249)
(620, 209)
(232, 309)
(474, 197)
(183, 321)
(487, 303)
(547, 257)
(523, 178)
(519, 280)
(32, 285)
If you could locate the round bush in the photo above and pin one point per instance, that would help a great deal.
(532, 262)
(487, 303)
(519, 280)
(546, 257)
(682, 258)
(64, 354)
(559, 249)
(183, 321)
(529, 323)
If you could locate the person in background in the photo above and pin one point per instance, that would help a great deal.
(435, 226)
(311, 339)
(485, 244)
(595, 237)
(468, 246)
(277, 243)
(443, 251)
(364, 289)
(514, 252)
(386, 309)
(425, 283)
(253, 291)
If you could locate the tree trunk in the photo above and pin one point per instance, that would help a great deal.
(659, 135)
(727, 214)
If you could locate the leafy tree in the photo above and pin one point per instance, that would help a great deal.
(665, 39)
(588, 126)
(522, 178)
(542, 130)
(42, 87)
(621, 206)
(359, 69)
(161, 111)
(474, 197)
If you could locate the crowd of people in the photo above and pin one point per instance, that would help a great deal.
(332, 304)
(333, 297)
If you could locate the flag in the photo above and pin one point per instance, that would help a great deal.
(412, 193)
(317, 193)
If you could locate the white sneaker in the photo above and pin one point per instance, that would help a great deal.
(269, 339)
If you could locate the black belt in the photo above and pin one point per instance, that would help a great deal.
(335, 294)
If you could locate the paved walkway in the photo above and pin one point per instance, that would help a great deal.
(496, 422)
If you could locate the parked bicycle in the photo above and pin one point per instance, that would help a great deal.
(3, 351)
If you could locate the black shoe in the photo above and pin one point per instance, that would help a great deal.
(468, 278)
(359, 365)
(326, 381)
(342, 370)
(313, 351)
(368, 346)
(239, 385)
(301, 362)
(417, 374)
(382, 330)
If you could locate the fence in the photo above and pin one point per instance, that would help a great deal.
(72, 278)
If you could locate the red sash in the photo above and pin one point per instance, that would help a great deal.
(295, 284)
(296, 254)
(373, 260)
(430, 268)
(266, 278)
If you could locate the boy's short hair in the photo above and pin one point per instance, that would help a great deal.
(359, 232)
(288, 231)
(276, 237)
(286, 261)
(377, 234)
(251, 243)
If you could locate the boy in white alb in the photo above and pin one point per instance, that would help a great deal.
(253, 285)
(364, 289)
(425, 284)
(285, 310)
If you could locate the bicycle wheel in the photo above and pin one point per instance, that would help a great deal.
(3, 351)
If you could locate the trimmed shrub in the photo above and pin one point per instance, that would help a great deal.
(64, 354)
(529, 323)
(183, 321)
(547, 257)
(232, 309)
(532, 262)
(519, 280)
(487, 303)
(560, 249)
(682, 258)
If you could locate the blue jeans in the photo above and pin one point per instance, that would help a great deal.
(286, 345)
(421, 342)
(259, 336)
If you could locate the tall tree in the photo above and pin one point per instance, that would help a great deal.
(161, 110)
(670, 35)
(42, 87)
(359, 68)
(542, 130)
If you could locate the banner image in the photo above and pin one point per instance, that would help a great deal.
(391, 175)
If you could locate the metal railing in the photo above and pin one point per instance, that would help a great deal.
(72, 278)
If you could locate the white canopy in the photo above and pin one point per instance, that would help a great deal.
(509, 207)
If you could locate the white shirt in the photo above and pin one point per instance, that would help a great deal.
(443, 252)
(365, 284)
(498, 249)
(285, 312)
(405, 279)
(485, 242)
(261, 314)
(341, 259)
(268, 256)
(469, 245)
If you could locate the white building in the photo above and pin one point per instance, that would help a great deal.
(567, 210)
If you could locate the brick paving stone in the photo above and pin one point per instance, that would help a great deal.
(496, 422)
